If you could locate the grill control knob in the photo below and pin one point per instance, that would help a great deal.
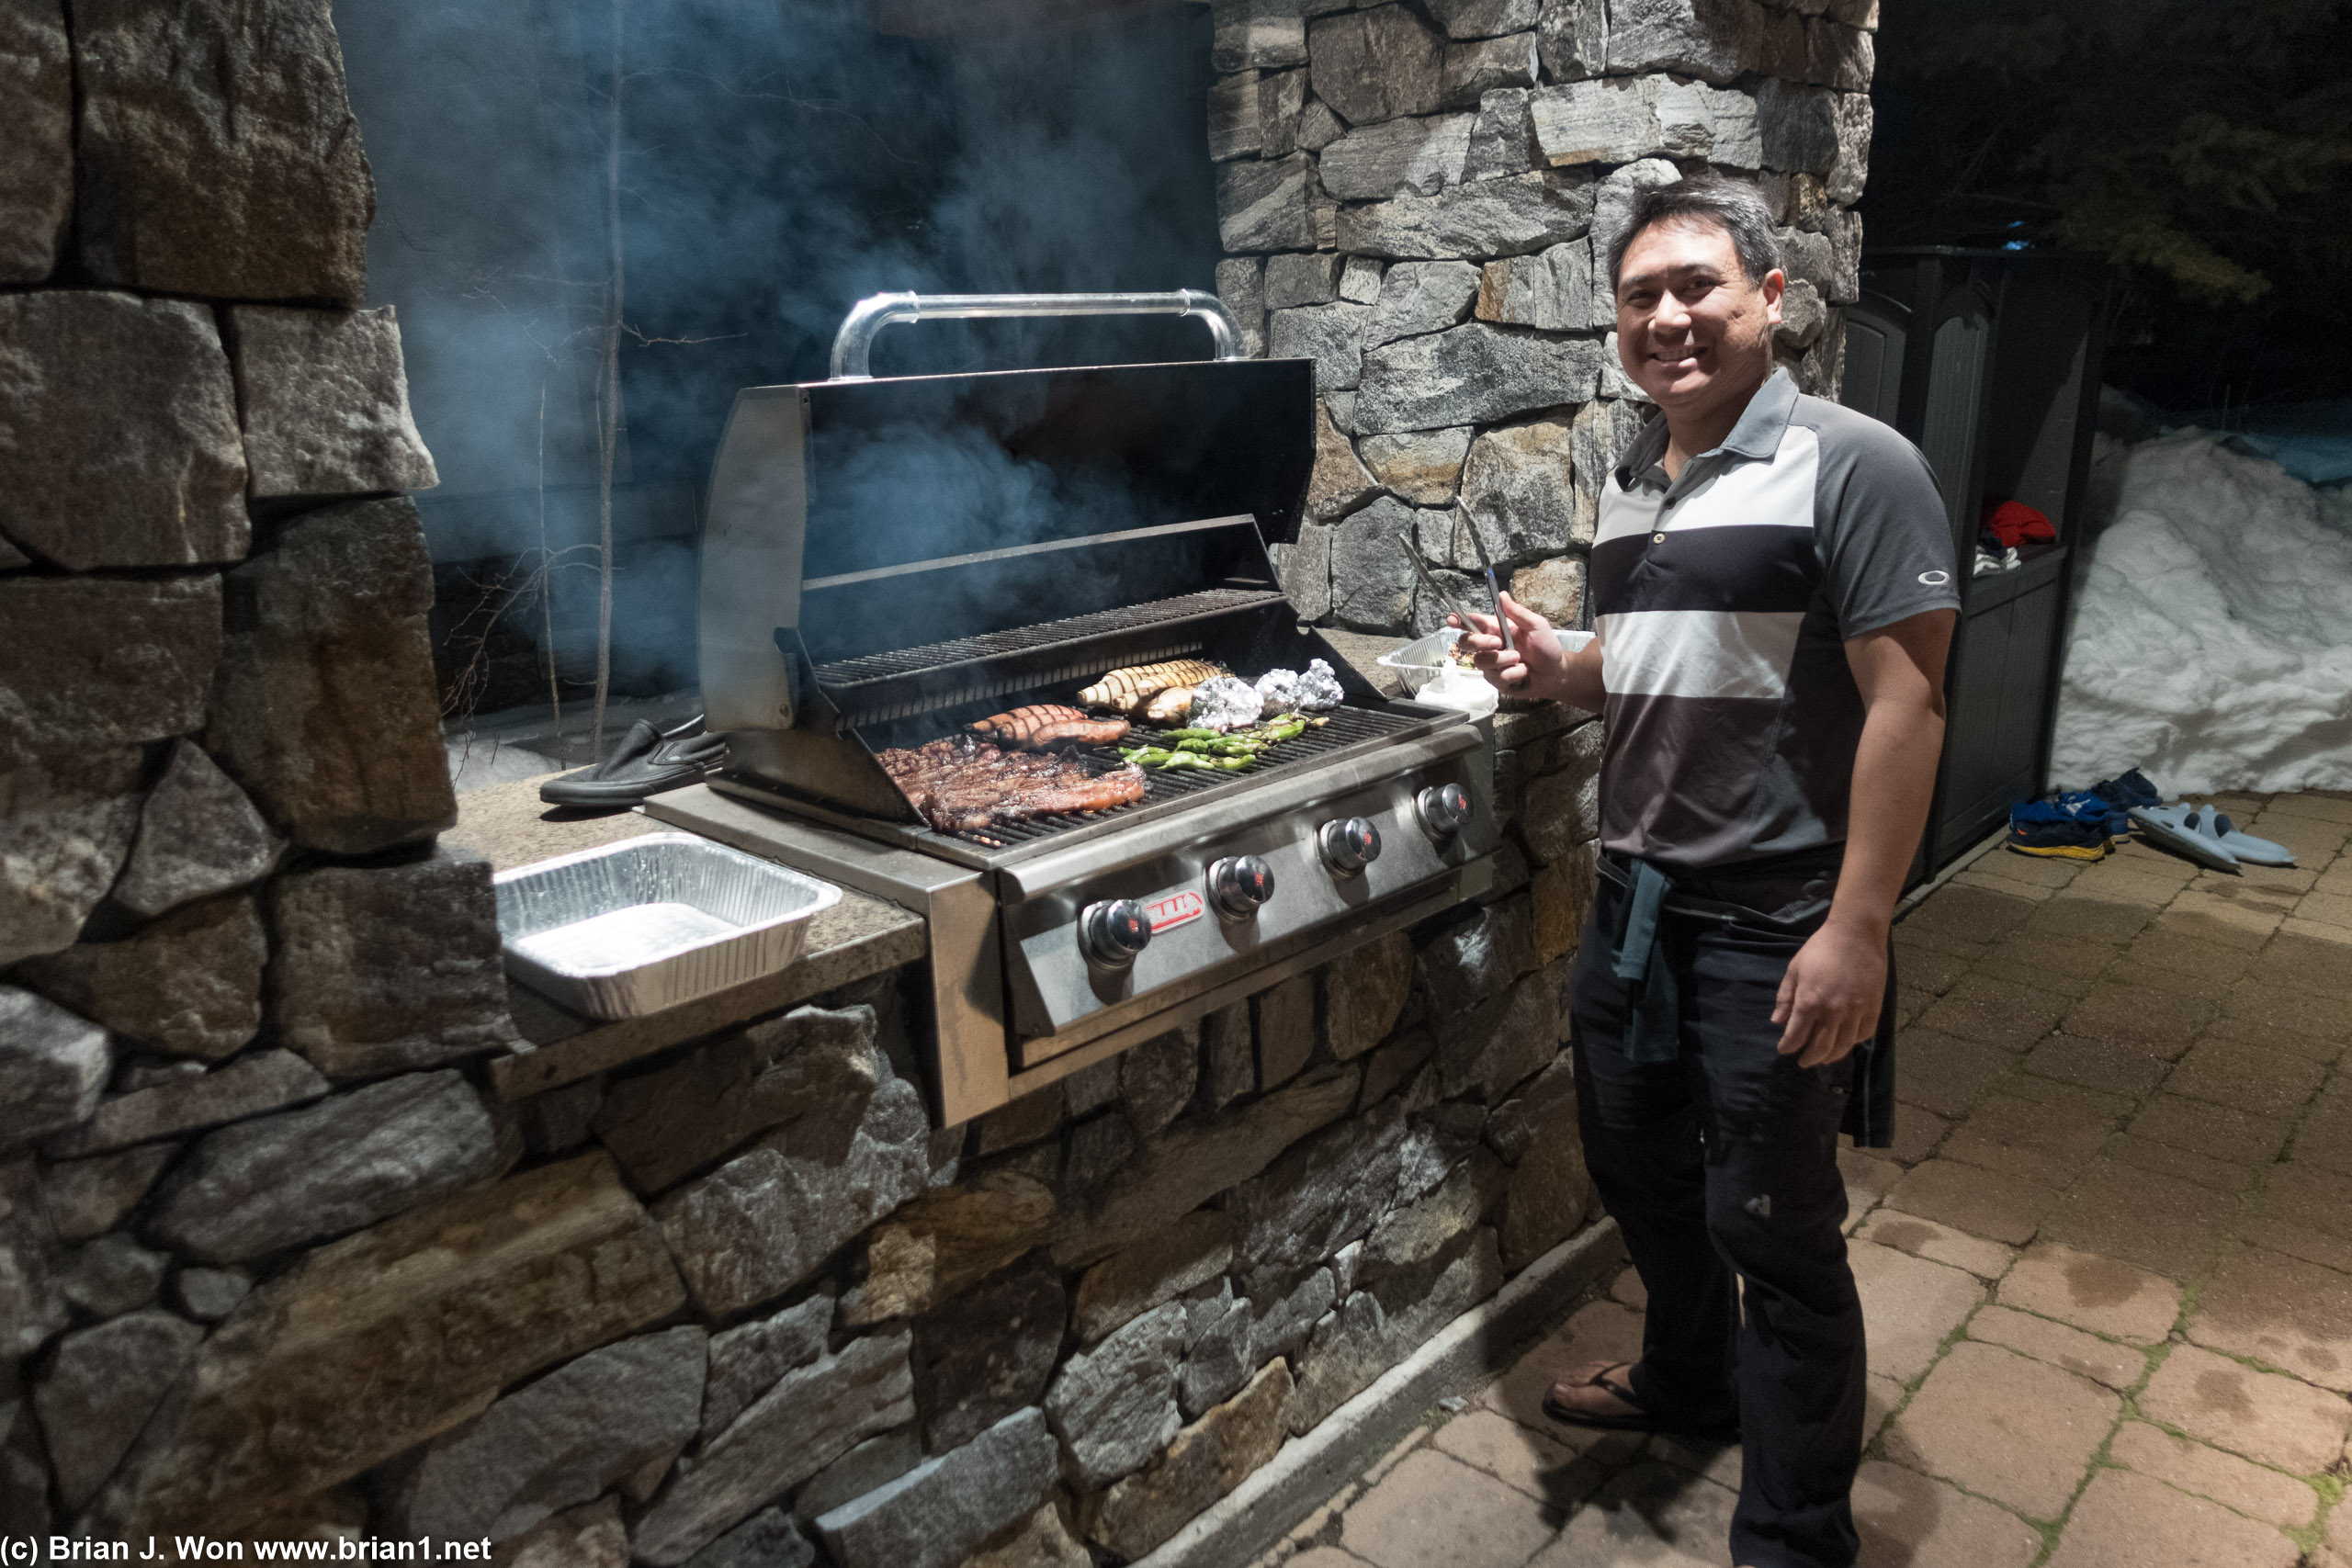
(1238, 884)
(1443, 809)
(1349, 844)
(1114, 932)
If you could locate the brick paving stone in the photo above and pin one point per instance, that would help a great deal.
(2246, 1030)
(1718, 1463)
(2325, 806)
(2055, 966)
(1993, 1012)
(2246, 892)
(2307, 1196)
(1968, 914)
(2034, 871)
(2040, 1142)
(1601, 1331)
(1909, 1304)
(2125, 1521)
(1993, 883)
(2162, 1021)
(1967, 948)
(1983, 1203)
(1868, 1177)
(2210, 1129)
(1314, 1557)
(2282, 1311)
(2138, 857)
(1927, 968)
(2326, 1140)
(2084, 1099)
(2221, 1175)
(2288, 882)
(1910, 1001)
(2005, 1427)
(1879, 1404)
(2264, 1415)
(2314, 931)
(1652, 1515)
(1937, 1243)
(2301, 1241)
(2290, 1010)
(2118, 1367)
(2127, 1066)
(2083, 911)
(2301, 963)
(2326, 908)
(1628, 1288)
(2157, 1222)
(1917, 1131)
(2167, 959)
(2249, 1488)
(1434, 1508)
(1520, 1459)
(2094, 1292)
(1909, 1520)
(2261, 1082)
(2235, 921)
(1946, 1073)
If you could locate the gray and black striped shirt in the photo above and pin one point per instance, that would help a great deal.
(1723, 600)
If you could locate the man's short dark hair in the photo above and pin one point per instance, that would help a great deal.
(1733, 206)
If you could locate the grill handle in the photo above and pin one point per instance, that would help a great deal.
(854, 342)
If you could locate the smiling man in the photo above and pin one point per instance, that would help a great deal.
(1772, 583)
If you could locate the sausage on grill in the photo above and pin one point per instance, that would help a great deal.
(1042, 725)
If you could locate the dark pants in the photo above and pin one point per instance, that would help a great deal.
(1721, 1168)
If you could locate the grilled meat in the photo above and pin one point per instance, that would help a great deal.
(1042, 725)
(1169, 707)
(960, 786)
(1127, 690)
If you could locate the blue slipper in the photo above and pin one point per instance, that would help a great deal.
(2248, 849)
(2188, 830)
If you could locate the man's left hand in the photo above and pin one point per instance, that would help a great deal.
(1832, 995)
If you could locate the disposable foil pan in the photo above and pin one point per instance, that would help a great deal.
(653, 922)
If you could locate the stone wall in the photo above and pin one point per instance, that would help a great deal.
(277, 1261)
(1420, 197)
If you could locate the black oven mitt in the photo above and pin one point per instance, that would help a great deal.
(647, 762)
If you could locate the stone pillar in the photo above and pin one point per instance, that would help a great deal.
(242, 997)
(1420, 198)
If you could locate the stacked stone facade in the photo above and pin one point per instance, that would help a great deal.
(1421, 196)
(278, 1260)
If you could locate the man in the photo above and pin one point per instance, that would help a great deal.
(1773, 583)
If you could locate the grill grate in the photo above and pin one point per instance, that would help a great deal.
(879, 686)
(1348, 727)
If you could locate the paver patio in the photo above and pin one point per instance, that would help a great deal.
(2107, 1268)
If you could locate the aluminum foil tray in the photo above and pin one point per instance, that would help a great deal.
(653, 922)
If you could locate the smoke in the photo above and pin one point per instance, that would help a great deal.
(780, 161)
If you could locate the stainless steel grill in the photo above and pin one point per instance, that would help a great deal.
(885, 561)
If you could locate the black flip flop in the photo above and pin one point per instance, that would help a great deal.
(647, 762)
(1634, 1420)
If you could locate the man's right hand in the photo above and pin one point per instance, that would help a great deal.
(1534, 668)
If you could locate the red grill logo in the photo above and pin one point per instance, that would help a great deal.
(1176, 909)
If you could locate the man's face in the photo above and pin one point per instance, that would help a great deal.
(1692, 329)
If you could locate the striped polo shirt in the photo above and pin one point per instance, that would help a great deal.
(1724, 599)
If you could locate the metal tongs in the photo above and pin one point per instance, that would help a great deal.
(1437, 589)
(1494, 591)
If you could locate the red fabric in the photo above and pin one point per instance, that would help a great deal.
(2013, 524)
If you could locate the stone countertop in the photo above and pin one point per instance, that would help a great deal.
(508, 825)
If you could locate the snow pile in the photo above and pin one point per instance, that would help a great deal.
(2212, 636)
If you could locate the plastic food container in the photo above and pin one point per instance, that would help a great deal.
(648, 923)
(1423, 660)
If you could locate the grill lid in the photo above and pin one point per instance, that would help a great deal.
(856, 521)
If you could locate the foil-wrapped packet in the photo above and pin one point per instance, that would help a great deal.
(1319, 687)
(1224, 703)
